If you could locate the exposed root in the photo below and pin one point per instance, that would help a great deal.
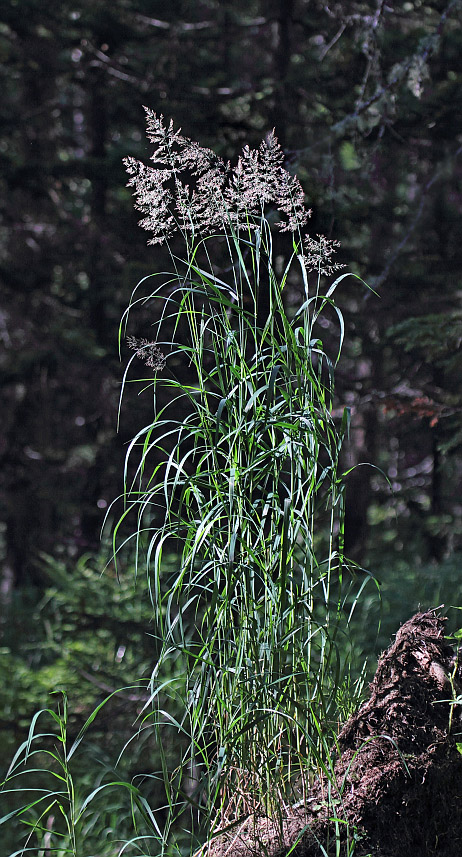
(398, 778)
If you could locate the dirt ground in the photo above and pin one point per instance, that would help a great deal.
(399, 770)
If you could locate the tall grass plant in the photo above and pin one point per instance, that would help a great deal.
(238, 476)
(242, 462)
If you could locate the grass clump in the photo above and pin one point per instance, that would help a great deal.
(242, 461)
(238, 475)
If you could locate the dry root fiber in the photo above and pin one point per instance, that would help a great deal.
(399, 771)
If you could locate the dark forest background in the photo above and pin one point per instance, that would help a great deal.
(366, 99)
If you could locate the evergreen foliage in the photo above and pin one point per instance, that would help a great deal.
(366, 103)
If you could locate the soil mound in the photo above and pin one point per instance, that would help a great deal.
(398, 777)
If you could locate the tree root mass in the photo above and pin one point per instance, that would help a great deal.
(398, 778)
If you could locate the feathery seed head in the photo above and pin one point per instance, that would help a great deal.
(219, 196)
